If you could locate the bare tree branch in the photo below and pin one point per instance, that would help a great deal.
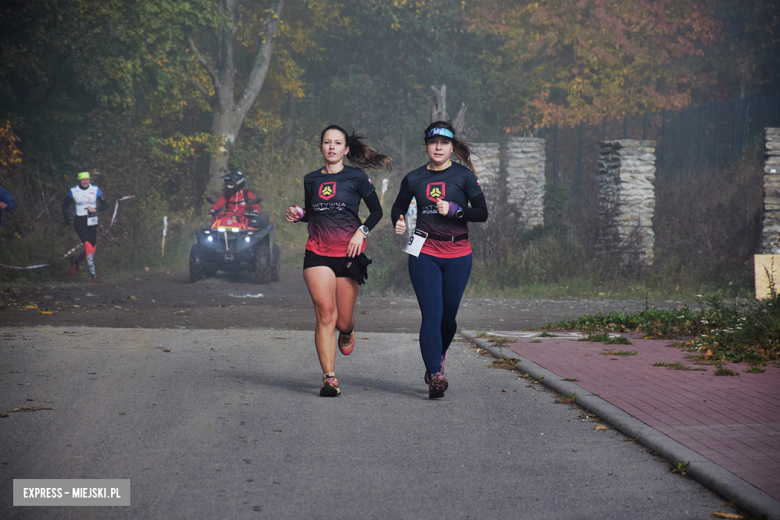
(205, 64)
(262, 60)
(203, 91)
(439, 104)
(460, 122)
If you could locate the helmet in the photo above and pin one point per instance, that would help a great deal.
(234, 181)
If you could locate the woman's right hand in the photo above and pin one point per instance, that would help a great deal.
(292, 214)
(400, 226)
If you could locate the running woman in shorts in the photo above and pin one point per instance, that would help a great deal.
(89, 201)
(441, 267)
(334, 264)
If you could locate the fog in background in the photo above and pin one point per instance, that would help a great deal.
(136, 92)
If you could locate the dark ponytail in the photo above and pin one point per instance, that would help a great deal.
(360, 154)
(461, 149)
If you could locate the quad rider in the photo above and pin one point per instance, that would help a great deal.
(235, 198)
(89, 201)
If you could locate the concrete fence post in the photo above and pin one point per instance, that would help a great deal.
(626, 177)
(770, 240)
(486, 163)
(525, 179)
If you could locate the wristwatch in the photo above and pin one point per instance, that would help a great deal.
(365, 230)
(459, 213)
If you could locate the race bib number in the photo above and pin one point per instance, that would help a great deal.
(92, 221)
(415, 244)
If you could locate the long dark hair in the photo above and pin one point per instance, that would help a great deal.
(461, 149)
(360, 154)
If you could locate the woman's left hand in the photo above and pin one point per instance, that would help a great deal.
(443, 207)
(355, 244)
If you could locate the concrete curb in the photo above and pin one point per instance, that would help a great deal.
(731, 487)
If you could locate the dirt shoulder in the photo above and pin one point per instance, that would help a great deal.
(169, 300)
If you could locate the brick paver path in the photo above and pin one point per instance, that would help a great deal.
(733, 421)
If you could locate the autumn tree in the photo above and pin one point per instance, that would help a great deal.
(221, 49)
(228, 110)
(565, 60)
(48, 77)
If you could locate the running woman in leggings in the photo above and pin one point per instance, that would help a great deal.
(89, 200)
(334, 264)
(441, 267)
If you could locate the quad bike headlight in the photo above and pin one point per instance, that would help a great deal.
(248, 239)
(210, 238)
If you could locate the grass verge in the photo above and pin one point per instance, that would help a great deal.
(745, 332)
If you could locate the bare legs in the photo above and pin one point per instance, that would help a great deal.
(334, 305)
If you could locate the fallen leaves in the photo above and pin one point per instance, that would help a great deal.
(31, 409)
(720, 514)
(600, 427)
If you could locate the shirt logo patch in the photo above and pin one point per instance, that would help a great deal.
(435, 190)
(328, 190)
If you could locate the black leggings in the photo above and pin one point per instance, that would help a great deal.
(86, 234)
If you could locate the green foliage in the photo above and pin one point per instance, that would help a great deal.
(619, 353)
(677, 366)
(740, 333)
(723, 371)
(619, 340)
(602, 337)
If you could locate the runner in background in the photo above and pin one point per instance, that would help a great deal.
(89, 201)
(334, 265)
(439, 249)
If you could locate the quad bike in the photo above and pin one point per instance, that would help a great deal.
(236, 243)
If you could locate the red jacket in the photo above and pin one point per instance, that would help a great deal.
(236, 204)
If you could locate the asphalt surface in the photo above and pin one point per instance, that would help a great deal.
(213, 423)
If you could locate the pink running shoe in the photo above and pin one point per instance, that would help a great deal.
(437, 386)
(347, 342)
(330, 387)
(441, 369)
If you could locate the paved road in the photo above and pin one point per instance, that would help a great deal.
(228, 424)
